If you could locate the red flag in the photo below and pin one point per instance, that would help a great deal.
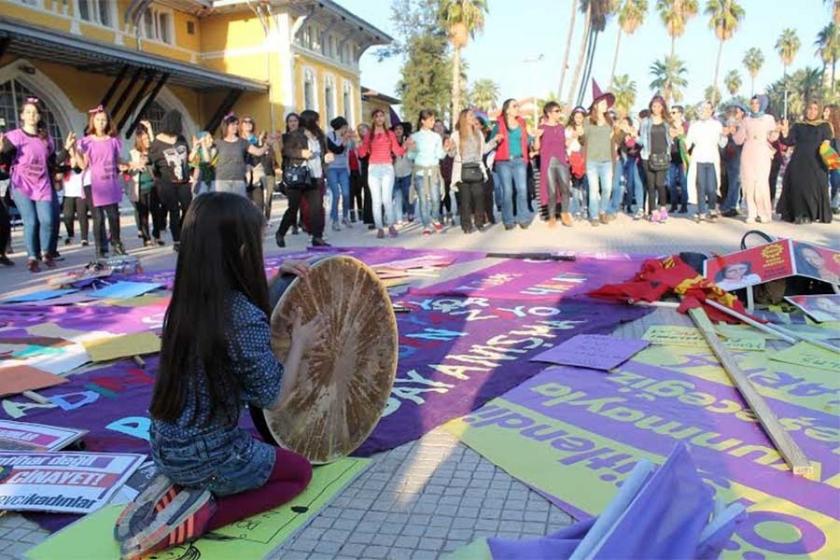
(672, 275)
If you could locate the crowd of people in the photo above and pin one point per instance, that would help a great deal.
(585, 165)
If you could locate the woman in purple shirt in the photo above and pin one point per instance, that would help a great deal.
(99, 151)
(33, 155)
(554, 165)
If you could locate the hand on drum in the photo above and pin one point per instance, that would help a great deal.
(309, 334)
(298, 268)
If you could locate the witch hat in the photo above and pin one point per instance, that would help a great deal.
(598, 95)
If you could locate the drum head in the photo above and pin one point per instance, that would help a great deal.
(344, 383)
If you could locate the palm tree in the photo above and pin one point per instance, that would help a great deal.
(625, 93)
(669, 77)
(485, 94)
(462, 19)
(809, 83)
(585, 7)
(733, 82)
(724, 18)
(753, 60)
(712, 94)
(568, 47)
(631, 15)
(828, 47)
(675, 15)
(787, 46)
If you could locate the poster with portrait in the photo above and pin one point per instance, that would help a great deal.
(752, 266)
(813, 261)
(820, 307)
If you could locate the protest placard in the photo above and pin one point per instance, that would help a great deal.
(821, 307)
(808, 355)
(28, 436)
(690, 336)
(62, 482)
(595, 351)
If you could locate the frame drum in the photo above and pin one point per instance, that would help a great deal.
(344, 383)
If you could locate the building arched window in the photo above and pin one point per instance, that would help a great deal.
(329, 97)
(12, 96)
(347, 102)
(309, 97)
(154, 114)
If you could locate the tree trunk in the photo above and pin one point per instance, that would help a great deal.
(752, 84)
(568, 50)
(673, 45)
(456, 86)
(583, 43)
(833, 64)
(615, 57)
(590, 59)
(717, 64)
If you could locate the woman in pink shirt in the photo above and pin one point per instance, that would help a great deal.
(33, 155)
(381, 144)
(99, 151)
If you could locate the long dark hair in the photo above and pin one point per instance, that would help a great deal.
(289, 116)
(171, 123)
(41, 127)
(220, 252)
(309, 121)
(505, 107)
(110, 128)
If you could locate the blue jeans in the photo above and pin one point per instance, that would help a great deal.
(676, 176)
(635, 187)
(580, 194)
(402, 195)
(706, 187)
(513, 175)
(618, 186)
(37, 219)
(834, 180)
(428, 198)
(339, 179)
(733, 174)
(599, 174)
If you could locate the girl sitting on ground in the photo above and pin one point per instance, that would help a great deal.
(215, 358)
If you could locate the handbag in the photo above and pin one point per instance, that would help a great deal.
(829, 156)
(471, 173)
(297, 176)
(659, 162)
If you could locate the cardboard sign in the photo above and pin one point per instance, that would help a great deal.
(123, 346)
(816, 262)
(753, 266)
(62, 482)
(36, 296)
(821, 308)
(19, 378)
(690, 336)
(594, 351)
(124, 289)
(26, 436)
(773, 261)
(810, 356)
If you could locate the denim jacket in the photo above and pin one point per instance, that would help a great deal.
(644, 137)
(207, 448)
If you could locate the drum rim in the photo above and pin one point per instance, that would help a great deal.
(258, 415)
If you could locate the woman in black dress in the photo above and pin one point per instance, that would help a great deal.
(805, 194)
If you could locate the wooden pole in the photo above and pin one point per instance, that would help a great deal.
(781, 439)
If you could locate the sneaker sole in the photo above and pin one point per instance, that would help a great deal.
(185, 504)
(144, 506)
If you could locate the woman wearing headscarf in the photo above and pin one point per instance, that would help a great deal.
(755, 133)
(805, 198)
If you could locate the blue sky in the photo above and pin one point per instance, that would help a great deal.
(521, 29)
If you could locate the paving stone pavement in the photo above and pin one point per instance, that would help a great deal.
(430, 496)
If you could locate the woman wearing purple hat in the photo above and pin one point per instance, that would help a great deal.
(599, 155)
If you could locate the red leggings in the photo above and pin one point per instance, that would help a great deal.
(291, 474)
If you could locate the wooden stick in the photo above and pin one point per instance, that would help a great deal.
(776, 330)
(781, 439)
(751, 322)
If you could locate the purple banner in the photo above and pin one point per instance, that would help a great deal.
(534, 280)
(457, 353)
